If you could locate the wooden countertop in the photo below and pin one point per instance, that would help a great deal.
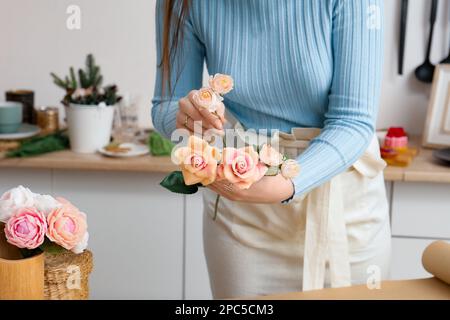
(422, 169)
(67, 160)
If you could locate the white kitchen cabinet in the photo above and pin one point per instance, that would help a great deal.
(147, 242)
(196, 274)
(407, 258)
(420, 215)
(421, 210)
(136, 230)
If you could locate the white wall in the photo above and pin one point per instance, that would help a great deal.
(35, 40)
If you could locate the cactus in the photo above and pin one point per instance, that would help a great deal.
(89, 79)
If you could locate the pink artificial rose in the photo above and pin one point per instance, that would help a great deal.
(206, 98)
(26, 228)
(290, 169)
(221, 83)
(241, 167)
(270, 156)
(198, 161)
(66, 225)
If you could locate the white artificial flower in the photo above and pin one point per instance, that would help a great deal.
(21, 197)
(13, 199)
(45, 203)
(82, 245)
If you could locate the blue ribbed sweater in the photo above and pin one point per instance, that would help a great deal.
(295, 63)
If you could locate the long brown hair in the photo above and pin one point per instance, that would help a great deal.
(175, 13)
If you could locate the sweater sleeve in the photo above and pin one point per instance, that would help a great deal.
(186, 75)
(357, 44)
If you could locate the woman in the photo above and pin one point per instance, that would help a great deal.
(296, 64)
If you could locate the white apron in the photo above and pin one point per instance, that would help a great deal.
(313, 240)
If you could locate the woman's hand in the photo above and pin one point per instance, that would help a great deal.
(189, 112)
(270, 189)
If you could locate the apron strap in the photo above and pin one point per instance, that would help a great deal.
(326, 231)
(338, 252)
(316, 242)
(326, 238)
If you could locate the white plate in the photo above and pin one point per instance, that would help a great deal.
(25, 131)
(135, 151)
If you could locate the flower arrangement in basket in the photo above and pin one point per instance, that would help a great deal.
(202, 164)
(37, 223)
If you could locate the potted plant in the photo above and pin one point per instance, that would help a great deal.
(89, 107)
(43, 243)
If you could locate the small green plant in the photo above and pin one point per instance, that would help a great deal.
(86, 89)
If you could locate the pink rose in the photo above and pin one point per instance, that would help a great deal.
(270, 156)
(290, 169)
(221, 83)
(66, 225)
(241, 167)
(206, 98)
(198, 161)
(26, 228)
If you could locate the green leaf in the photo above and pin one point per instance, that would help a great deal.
(27, 253)
(272, 171)
(175, 182)
(39, 145)
(73, 79)
(51, 247)
(58, 81)
(159, 146)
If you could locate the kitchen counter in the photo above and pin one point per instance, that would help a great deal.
(422, 169)
(123, 200)
(68, 160)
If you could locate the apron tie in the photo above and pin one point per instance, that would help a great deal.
(326, 231)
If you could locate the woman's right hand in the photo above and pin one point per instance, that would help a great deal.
(189, 112)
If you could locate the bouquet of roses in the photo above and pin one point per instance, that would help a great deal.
(201, 163)
(36, 222)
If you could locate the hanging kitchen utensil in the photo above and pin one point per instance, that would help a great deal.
(401, 48)
(425, 71)
(447, 59)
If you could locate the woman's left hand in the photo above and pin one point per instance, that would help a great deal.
(270, 189)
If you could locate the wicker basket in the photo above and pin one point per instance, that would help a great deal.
(67, 275)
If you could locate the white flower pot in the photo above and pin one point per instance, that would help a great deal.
(89, 127)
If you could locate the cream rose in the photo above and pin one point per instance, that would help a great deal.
(221, 83)
(206, 98)
(290, 169)
(66, 226)
(270, 156)
(198, 161)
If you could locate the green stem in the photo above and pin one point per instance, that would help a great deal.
(216, 206)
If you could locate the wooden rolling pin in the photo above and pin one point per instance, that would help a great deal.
(436, 260)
